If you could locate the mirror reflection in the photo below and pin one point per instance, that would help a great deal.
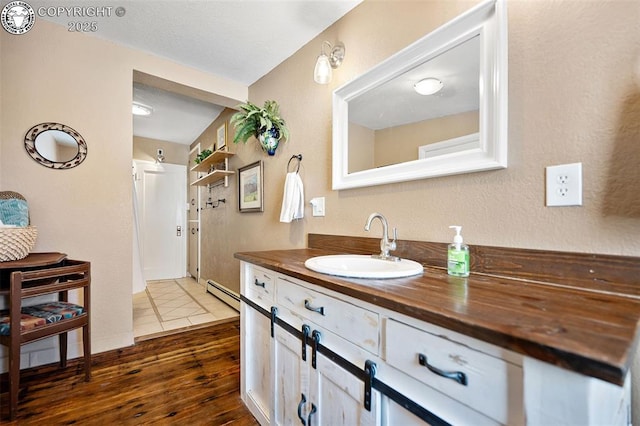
(55, 145)
(394, 123)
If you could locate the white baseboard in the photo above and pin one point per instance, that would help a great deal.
(228, 296)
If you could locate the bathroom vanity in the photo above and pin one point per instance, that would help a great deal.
(537, 346)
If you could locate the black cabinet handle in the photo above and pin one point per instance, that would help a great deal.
(369, 374)
(258, 283)
(308, 306)
(315, 341)
(302, 401)
(274, 318)
(313, 410)
(457, 376)
(305, 336)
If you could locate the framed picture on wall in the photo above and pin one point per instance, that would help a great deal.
(250, 188)
(221, 140)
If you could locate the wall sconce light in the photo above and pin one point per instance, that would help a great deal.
(428, 86)
(141, 109)
(323, 71)
(160, 155)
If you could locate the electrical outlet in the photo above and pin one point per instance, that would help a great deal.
(564, 185)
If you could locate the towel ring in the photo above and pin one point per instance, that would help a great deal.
(299, 158)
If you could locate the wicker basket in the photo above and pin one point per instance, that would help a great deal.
(16, 243)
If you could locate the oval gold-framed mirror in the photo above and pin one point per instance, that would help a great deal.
(55, 145)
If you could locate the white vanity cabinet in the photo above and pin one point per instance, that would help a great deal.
(486, 383)
(255, 345)
(291, 399)
(324, 393)
(307, 352)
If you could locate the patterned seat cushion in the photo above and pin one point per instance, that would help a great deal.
(39, 315)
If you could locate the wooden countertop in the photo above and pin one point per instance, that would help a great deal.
(590, 332)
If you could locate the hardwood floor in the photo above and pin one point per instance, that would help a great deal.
(188, 378)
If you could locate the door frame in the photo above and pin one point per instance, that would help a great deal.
(195, 150)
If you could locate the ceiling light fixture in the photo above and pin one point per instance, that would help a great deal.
(322, 73)
(141, 109)
(428, 86)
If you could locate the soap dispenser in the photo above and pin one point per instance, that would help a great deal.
(458, 255)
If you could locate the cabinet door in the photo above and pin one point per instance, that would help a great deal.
(256, 362)
(291, 380)
(338, 397)
(396, 414)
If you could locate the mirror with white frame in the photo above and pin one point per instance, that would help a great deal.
(384, 131)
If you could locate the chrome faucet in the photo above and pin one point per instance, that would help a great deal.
(385, 244)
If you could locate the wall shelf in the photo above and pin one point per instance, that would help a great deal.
(215, 158)
(214, 176)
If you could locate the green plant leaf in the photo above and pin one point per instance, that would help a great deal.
(250, 120)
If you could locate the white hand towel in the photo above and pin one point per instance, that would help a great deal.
(299, 211)
(293, 198)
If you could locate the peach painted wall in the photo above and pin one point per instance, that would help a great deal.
(564, 107)
(399, 144)
(50, 74)
(146, 149)
(574, 95)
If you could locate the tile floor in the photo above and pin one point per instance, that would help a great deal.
(170, 305)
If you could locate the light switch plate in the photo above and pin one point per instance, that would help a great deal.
(317, 206)
(564, 185)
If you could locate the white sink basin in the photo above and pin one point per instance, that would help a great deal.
(363, 266)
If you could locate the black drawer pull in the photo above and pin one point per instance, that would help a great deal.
(458, 376)
(258, 283)
(302, 401)
(319, 310)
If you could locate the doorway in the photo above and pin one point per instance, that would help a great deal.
(160, 191)
(176, 110)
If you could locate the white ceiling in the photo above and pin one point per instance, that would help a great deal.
(175, 118)
(241, 40)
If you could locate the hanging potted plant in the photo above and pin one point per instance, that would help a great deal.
(264, 123)
(204, 154)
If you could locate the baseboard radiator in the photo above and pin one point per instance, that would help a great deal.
(229, 297)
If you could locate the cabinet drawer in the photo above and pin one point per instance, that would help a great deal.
(260, 286)
(487, 384)
(350, 322)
